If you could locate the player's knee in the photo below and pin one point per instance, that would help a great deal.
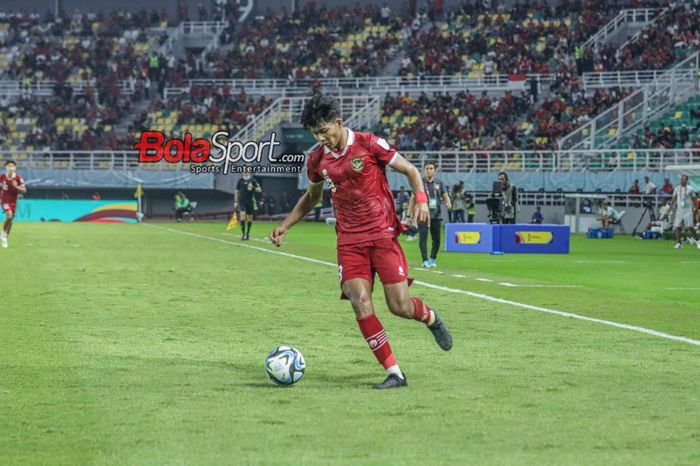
(8, 215)
(361, 303)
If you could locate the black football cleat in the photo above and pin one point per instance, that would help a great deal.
(393, 381)
(442, 334)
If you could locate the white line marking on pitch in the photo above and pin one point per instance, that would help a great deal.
(459, 276)
(682, 262)
(483, 279)
(600, 262)
(507, 284)
(437, 271)
(485, 297)
(683, 288)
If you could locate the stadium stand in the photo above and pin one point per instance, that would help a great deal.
(672, 37)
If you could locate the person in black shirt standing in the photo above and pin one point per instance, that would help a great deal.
(244, 196)
(437, 194)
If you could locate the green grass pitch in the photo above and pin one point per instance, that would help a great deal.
(137, 344)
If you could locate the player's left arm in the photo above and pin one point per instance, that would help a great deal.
(419, 209)
(258, 188)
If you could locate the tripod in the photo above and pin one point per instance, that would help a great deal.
(648, 209)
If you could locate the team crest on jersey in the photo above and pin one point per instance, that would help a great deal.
(358, 164)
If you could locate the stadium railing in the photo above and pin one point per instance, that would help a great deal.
(557, 198)
(496, 82)
(635, 36)
(634, 110)
(627, 79)
(641, 16)
(17, 88)
(559, 161)
(360, 111)
(654, 160)
(201, 27)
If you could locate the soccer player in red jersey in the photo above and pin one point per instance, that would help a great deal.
(11, 185)
(353, 164)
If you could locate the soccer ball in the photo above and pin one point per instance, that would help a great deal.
(285, 365)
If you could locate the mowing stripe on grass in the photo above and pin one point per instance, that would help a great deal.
(485, 297)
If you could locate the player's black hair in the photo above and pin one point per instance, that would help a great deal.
(11, 162)
(505, 175)
(430, 162)
(320, 109)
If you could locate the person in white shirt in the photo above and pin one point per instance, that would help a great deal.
(649, 187)
(608, 215)
(684, 200)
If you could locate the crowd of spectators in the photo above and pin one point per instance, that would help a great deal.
(452, 121)
(80, 46)
(558, 116)
(109, 51)
(303, 44)
(671, 38)
(527, 37)
(667, 137)
(65, 124)
(211, 105)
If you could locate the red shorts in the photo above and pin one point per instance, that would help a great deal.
(9, 206)
(383, 256)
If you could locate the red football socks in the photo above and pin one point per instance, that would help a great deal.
(374, 333)
(422, 312)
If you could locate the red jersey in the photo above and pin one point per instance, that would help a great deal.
(364, 204)
(8, 194)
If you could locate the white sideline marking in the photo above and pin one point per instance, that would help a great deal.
(483, 279)
(437, 271)
(459, 276)
(600, 262)
(507, 284)
(485, 297)
(549, 286)
(683, 288)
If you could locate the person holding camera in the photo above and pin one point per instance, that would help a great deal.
(509, 199)
(437, 194)
(458, 203)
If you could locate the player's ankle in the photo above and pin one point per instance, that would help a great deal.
(395, 370)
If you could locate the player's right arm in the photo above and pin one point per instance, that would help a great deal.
(306, 203)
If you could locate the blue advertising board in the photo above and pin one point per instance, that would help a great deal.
(46, 210)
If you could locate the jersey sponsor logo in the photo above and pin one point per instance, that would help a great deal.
(467, 237)
(358, 164)
(533, 237)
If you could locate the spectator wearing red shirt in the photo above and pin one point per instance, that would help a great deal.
(634, 189)
(667, 188)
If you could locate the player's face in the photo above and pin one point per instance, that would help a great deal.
(684, 180)
(329, 133)
(429, 171)
(10, 169)
(502, 179)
